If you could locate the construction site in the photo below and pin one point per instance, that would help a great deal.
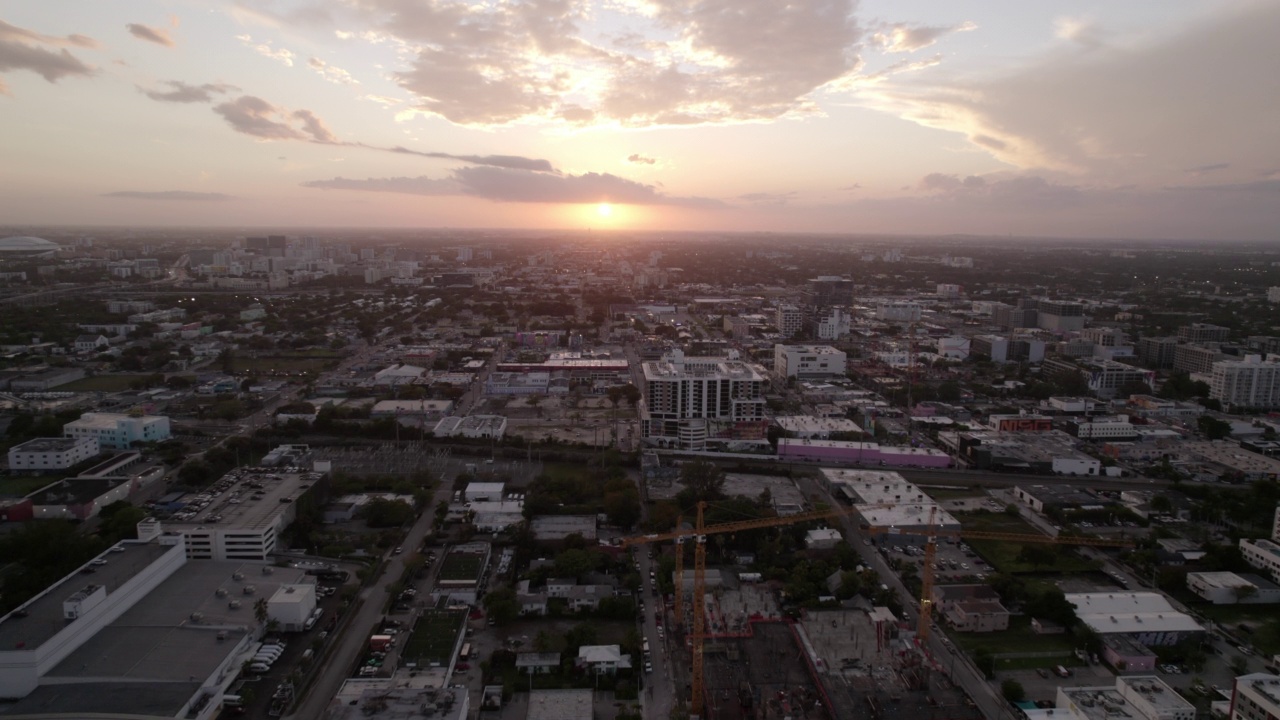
(834, 664)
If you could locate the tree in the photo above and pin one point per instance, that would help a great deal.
(1037, 555)
(575, 563)
(1013, 691)
(1213, 428)
(501, 605)
(623, 507)
(380, 513)
(703, 481)
(119, 521)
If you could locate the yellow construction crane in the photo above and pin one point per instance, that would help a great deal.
(700, 531)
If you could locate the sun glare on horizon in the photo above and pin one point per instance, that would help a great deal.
(604, 210)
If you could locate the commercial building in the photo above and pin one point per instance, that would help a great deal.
(555, 528)
(1139, 697)
(899, 311)
(113, 430)
(1256, 697)
(1262, 554)
(1250, 383)
(860, 453)
(291, 606)
(242, 517)
(1228, 588)
(809, 426)
(971, 608)
(46, 379)
(1144, 616)
(689, 403)
(808, 361)
(146, 634)
(416, 409)
(43, 454)
(1060, 316)
(560, 705)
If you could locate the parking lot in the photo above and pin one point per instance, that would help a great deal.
(953, 562)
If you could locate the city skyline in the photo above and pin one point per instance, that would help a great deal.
(1081, 120)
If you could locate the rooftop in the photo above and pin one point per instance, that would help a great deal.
(1160, 699)
(560, 705)
(249, 498)
(1137, 612)
(44, 612)
(46, 445)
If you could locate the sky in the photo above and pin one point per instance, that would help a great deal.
(1088, 118)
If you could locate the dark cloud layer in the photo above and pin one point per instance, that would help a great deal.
(508, 185)
(513, 162)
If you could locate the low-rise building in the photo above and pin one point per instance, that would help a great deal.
(808, 361)
(114, 430)
(43, 454)
(1228, 588)
(606, 659)
(1256, 697)
(1144, 616)
(490, 427)
(1144, 697)
(1262, 554)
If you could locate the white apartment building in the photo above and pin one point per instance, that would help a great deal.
(808, 361)
(52, 453)
(1263, 555)
(1111, 428)
(1273, 294)
(113, 430)
(899, 311)
(687, 403)
(1253, 382)
(835, 325)
(790, 320)
(1256, 697)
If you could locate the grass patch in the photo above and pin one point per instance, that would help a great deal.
(461, 566)
(433, 637)
(1018, 638)
(101, 383)
(22, 486)
(1003, 555)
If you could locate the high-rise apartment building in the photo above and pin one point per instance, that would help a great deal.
(790, 320)
(1202, 333)
(689, 402)
(1250, 383)
(1157, 352)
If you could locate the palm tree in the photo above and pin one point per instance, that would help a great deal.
(260, 610)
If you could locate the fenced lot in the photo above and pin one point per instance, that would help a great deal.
(434, 636)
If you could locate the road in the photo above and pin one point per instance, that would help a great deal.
(659, 690)
(349, 646)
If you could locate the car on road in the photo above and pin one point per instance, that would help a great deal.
(397, 551)
(1042, 672)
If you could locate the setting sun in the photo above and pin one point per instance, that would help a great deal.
(604, 209)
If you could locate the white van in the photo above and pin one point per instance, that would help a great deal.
(259, 668)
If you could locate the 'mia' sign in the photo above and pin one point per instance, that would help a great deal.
(1023, 424)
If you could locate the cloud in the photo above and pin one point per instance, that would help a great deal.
(402, 185)
(1082, 31)
(383, 100)
(254, 116)
(1206, 169)
(763, 198)
(14, 33)
(719, 61)
(20, 49)
(1092, 113)
(512, 162)
(901, 37)
(641, 160)
(264, 49)
(181, 195)
(181, 92)
(331, 73)
(522, 186)
(1268, 186)
(159, 36)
